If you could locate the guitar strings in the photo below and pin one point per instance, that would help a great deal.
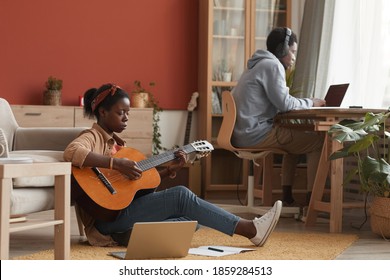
(147, 164)
(115, 177)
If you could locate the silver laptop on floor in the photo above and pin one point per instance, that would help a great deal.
(156, 240)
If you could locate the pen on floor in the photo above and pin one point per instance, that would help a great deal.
(215, 249)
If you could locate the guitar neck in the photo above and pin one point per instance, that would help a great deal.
(188, 127)
(162, 158)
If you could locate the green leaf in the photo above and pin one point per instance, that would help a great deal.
(343, 133)
(342, 153)
(368, 137)
(363, 143)
(350, 175)
(375, 170)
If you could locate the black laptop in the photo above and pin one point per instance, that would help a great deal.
(335, 95)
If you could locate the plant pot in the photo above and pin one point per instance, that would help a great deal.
(380, 216)
(227, 77)
(139, 100)
(52, 97)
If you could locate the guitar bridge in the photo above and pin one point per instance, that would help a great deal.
(104, 180)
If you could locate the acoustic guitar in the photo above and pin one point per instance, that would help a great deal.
(190, 108)
(114, 191)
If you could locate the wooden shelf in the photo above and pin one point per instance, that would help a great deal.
(225, 187)
(33, 224)
(228, 36)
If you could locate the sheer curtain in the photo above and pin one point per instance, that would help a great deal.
(359, 51)
(313, 48)
(346, 41)
(386, 43)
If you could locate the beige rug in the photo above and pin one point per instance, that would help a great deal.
(280, 246)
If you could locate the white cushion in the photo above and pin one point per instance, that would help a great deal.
(36, 156)
(15, 160)
(31, 200)
(3, 144)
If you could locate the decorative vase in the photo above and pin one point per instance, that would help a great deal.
(227, 77)
(52, 97)
(380, 216)
(139, 100)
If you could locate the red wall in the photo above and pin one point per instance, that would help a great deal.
(90, 42)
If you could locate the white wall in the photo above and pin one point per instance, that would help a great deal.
(173, 125)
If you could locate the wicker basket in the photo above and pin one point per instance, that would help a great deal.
(140, 100)
(52, 97)
(380, 216)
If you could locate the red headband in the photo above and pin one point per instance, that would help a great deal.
(100, 97)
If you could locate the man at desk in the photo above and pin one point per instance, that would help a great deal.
(260, 94)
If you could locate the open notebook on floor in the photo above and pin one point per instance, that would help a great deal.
(156, 240)
(218, 251)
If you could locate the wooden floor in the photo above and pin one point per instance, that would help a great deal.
(368, 247)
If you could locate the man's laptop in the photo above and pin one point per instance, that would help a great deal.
(155, 240)
(335, 95)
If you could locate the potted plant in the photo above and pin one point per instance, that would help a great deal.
(140, 95)
(143, 98)
(223, 72)
(52, 94)
(369, 144)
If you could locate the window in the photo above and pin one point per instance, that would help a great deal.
(360, 51)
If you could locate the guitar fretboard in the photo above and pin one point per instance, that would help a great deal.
(188, 127)
(162, 158)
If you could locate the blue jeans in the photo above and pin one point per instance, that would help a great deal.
(177, 203)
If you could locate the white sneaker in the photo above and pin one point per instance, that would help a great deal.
(266, 224)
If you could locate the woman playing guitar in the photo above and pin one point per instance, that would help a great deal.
(97, 148)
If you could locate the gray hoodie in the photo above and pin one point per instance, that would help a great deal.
(260, 94)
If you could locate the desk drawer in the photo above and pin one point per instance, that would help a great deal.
(43, 116)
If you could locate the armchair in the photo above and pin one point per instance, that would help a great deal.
(32, 194)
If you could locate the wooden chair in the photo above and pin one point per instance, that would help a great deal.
(261, 158)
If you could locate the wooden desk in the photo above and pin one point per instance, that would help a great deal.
(61, 221)
(321, 120)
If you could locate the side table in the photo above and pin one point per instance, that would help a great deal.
(61, 220)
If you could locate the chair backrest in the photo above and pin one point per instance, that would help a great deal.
(7, 121)
(228, 121)
(225, 133)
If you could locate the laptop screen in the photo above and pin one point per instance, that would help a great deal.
(335, 95)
